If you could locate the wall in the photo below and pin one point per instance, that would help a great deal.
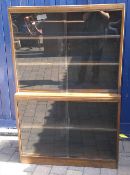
(7, 87)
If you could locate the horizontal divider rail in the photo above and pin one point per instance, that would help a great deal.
(69, 96)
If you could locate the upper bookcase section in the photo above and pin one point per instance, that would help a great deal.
(68, 48)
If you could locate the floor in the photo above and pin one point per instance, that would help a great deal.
(10, 164)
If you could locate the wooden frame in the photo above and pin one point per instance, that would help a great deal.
(97, 95)
(69, 96)
(68, 8)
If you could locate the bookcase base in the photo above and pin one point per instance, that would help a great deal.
(69, 161)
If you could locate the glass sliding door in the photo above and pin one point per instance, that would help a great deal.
(92, 132)
(40, 51)
(43, 126)
(67, 51)
(55, 128)
(93, 40)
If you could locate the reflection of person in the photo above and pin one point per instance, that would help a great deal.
(33, 29)
(28, 24)
(32, 26)
(95, 23)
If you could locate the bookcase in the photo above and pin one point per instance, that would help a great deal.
(68, 66)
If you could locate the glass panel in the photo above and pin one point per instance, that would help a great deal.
(91, 133)
(44, 141)
(95, 36)
(43, 127)
(92, 77)
(43, 113)
(40, 51)
(52, 128)
(38, 24)
(92, 115)
(83, 41)
(41, 76)
(92, 144)
(94, 23)
(89, 51)
(93, 47)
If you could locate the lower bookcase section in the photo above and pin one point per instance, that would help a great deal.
(69, 143)
(68, 132)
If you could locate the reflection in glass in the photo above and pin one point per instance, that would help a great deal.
(89, 50)
(43, 127)
(51, 128)
(40, 63)
(42, 76)
(67, 41)
(101, 31)
(43, 113)
(44, 141)
(34, 24)
(92, 144)
(92, 115)
(29, 30)
(92, 77)
(82, 144)
(94, 23)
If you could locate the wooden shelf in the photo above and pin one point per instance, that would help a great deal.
(60, 21)
(63, 21)
(72, 64)
(57, 127)
(67, 37)
(111, 91)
